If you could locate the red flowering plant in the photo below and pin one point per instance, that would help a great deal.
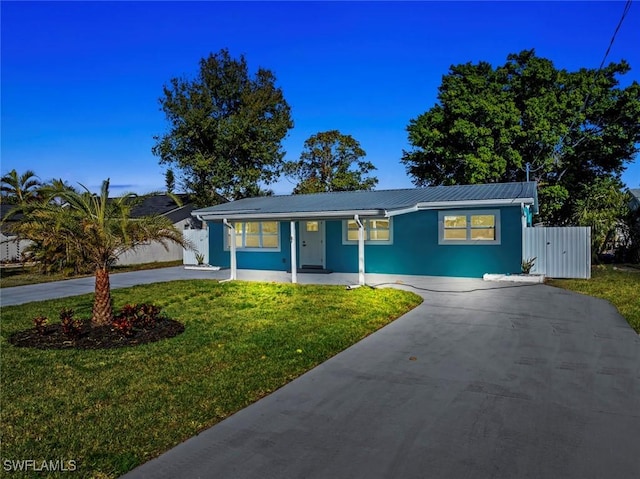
(40, 323)
(132, 316)
(71, 327)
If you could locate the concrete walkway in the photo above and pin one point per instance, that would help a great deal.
(75, 287)
(483, 380)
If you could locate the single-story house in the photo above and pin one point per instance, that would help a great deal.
(462, 230)
(160, 204)
(11, 248)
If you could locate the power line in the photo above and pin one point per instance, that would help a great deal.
(558, 147)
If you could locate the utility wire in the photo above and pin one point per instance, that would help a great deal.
(558, 147)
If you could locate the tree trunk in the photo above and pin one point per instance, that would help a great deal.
(102, 311)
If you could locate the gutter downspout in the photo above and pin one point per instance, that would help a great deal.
(232, 248)
(524, 225)
(361, 278)
(294, 260)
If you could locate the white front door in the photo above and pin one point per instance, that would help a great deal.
(311, 243)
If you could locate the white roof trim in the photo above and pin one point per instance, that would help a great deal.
(473, 203)
(298, 215)
(255, 215)
(402, 211)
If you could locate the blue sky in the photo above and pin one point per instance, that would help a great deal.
(81, 80)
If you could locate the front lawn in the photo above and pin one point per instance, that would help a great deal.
(622, 288)
(111, 410)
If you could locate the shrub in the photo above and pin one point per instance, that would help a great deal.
(40, 323)
(71, 327)
(528, 264)
(123, 325)
(136, 316)
(148, 315)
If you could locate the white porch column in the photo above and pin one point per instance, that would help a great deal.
(232, 249)
(361, 281)
(294, 261)
(523, 232)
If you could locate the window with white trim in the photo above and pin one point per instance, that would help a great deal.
(255, 235)
(469, 227)
(376, 231)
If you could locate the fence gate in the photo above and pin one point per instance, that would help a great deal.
(200, 240)
(562, 252)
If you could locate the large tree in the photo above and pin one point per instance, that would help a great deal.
(568, 129)
(225, 129)
(331, 161)
(97, 229)
(603, 206)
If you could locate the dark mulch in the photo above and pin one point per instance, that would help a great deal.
(102, 337)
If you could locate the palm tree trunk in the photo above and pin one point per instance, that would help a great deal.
(102, 311)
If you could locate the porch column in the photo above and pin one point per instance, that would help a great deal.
(294, 261)
(232, 249)
(524, 226)
(361, 281)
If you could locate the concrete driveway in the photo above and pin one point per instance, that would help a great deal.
(77, 286)
(487, 382)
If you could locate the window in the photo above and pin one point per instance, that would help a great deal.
(376, 231)
(469, 227)
(255, 235)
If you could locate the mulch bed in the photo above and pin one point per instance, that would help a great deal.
(102, 337)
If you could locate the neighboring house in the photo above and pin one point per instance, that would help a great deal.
(464, 230)
(181, 218)
(635, 199)
(10, 247)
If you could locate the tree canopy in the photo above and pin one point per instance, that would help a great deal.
(331, 161)
(225, 128)
(571, 128)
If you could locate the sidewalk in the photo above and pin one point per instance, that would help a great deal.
(75, 287)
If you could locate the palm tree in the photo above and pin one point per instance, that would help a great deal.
(19, 189)
(51, 190)
(98, 230)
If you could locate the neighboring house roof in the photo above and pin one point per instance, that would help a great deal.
(4, 211)
(373, 203)
(163, 205)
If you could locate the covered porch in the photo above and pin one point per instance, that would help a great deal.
(307, 245)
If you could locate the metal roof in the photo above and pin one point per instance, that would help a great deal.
(373, 203)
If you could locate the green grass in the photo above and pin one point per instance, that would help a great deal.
(621, 288)
(115, 409)
(23, 275)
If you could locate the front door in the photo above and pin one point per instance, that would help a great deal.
(311, 245)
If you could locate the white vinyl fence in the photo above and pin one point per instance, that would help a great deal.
(563, 252)
(154, 252)
(200, 240)
(11, 248)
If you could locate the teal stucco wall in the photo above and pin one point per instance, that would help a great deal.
(263, 260)
(415, 249)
